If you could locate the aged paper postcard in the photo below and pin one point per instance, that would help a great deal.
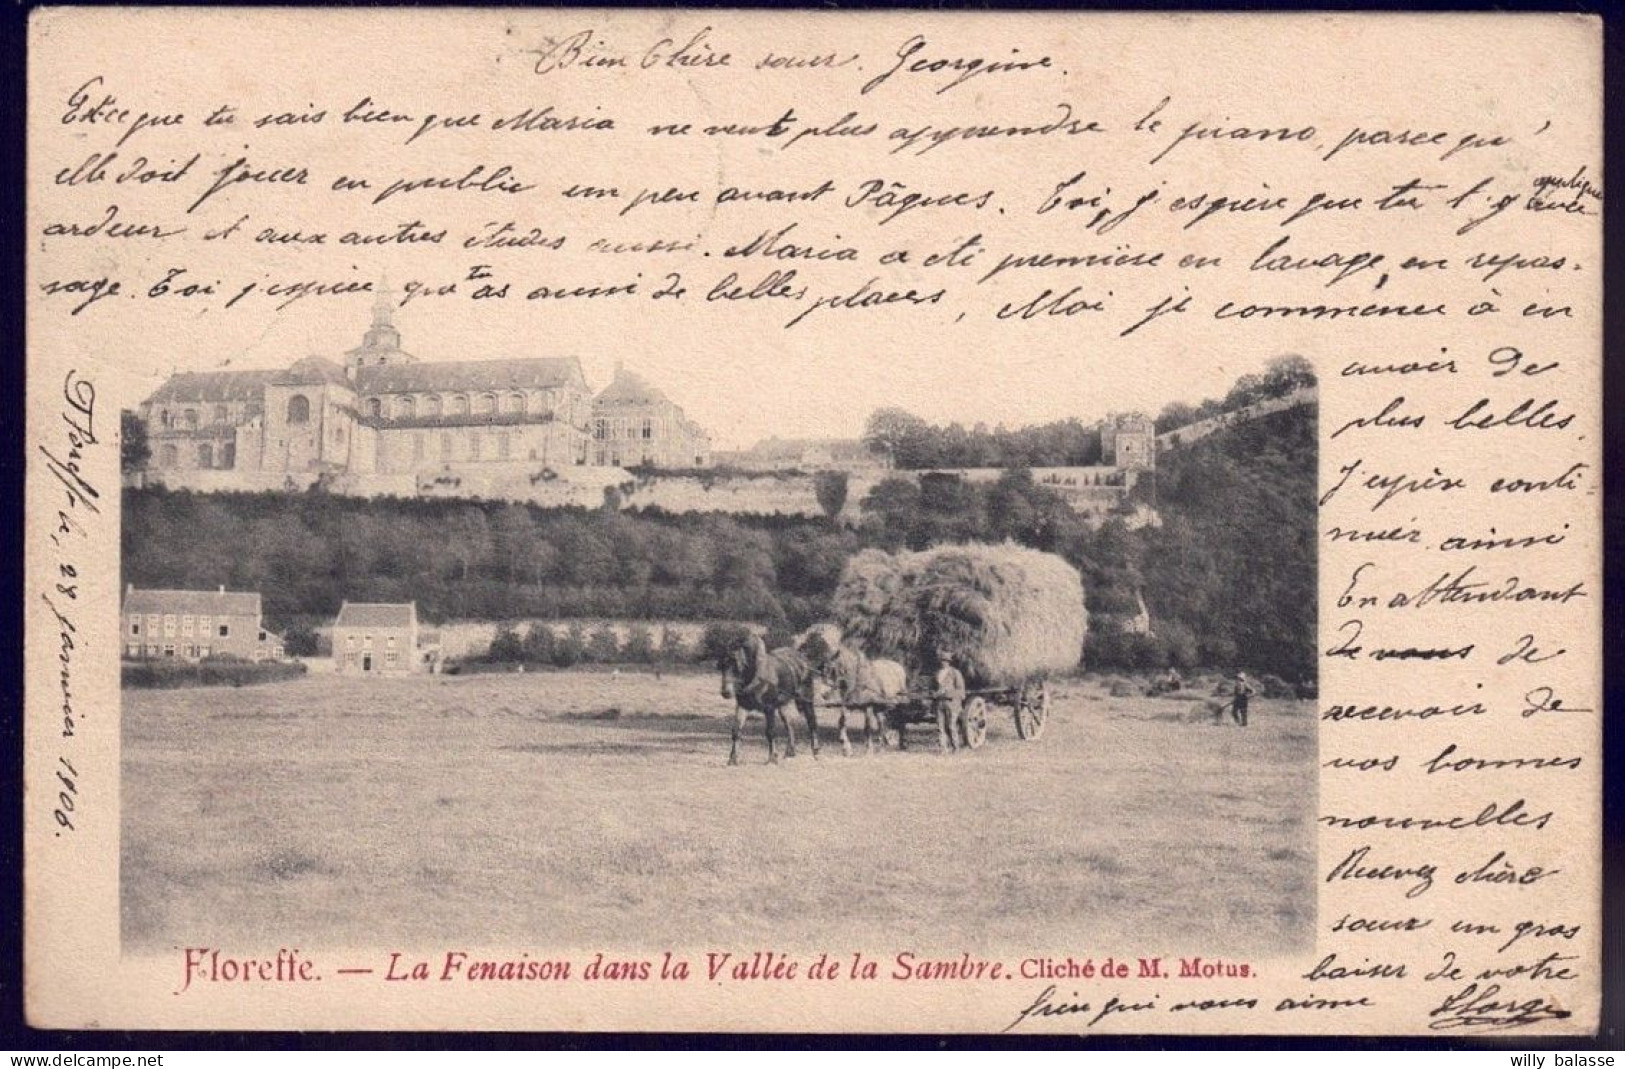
(820, 522)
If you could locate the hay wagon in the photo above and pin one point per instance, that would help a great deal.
(1010, 617)
(1028, 702)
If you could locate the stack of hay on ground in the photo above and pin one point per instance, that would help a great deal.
(1006, 613)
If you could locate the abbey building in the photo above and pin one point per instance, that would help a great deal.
(384, 411)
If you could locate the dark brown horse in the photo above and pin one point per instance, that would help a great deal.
(763, 682)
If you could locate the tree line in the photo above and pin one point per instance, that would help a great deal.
(913, 443)
(1229, 576)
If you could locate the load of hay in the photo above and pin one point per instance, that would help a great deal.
(1006, 613)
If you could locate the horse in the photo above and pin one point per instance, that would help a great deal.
(863, 684)
(759, 681)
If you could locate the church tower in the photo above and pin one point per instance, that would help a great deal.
(382, 342)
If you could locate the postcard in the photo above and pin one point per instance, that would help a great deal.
(553, 520)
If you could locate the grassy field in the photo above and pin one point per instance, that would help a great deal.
(580, 809)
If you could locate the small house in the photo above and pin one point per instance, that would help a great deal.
(371, 638)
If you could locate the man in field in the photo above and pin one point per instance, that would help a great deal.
(1241, 693)
(948, 687)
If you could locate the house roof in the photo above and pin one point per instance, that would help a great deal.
(796, 448)
(376, 614)
(630, 388)
(208, 387)
(525, 373)
(312, 371)
(198, 602)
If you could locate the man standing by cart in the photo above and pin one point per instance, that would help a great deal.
(949, 695)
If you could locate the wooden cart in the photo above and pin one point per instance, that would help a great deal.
(1028, 702)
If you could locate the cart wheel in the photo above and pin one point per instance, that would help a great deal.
(975, 723)
(1032, 710)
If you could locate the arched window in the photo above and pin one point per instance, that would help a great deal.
(298, 409)
(432, 406)
(166, 418)
(375, 407)
(205, 455)
(168, 455)
(459, 404)
(221, 414)
(516, 403)
(189, 419)
(408, 407)
(485, 404)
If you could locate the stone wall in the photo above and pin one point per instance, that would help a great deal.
(1195, 432)
(461, 639)
(746, 494)
(216, 480)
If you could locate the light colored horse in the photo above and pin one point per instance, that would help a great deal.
(870, 686)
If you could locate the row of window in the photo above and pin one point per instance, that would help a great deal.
(606, 428)
(191, 650)
(351, 660)
(459, 404)
(187, 623)
(366, 643)
(207, 456)
(501, 446)
(188, 419)
(483, 404)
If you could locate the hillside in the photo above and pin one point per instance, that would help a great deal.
(1234, 566)
(1229, 577)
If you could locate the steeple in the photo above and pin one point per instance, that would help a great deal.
(383, 334)
(382, 342)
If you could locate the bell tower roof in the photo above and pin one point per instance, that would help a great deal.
(382, 342)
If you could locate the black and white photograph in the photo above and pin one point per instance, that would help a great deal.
(459, 646)
(794, 522)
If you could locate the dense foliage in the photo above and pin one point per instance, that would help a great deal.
(912, 443)
(306, 553)
(1231, 576)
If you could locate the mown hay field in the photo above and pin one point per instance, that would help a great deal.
(587, 809)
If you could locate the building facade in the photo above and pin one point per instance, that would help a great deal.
(383, 411)
(374, 639)
(634, 424)
(191, 625)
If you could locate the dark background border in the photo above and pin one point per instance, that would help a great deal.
(14, 1030)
